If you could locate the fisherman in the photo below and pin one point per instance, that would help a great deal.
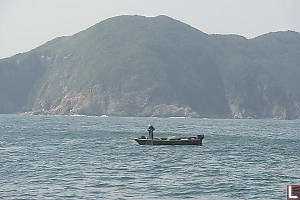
(150, 130)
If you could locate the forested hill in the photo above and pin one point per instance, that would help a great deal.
(156, 66)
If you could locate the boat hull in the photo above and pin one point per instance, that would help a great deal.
(164, 141)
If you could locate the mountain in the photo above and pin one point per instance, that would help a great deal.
(156, 66)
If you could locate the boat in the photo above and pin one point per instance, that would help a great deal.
(172, 140)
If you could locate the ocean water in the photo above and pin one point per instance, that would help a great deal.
(81, 157)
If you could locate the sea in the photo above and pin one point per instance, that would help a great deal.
(88, 157)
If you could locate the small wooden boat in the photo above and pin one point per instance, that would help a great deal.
(172, 140)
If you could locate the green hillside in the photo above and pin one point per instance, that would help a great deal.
(157, 66)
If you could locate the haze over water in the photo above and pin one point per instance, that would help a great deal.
(80, 157)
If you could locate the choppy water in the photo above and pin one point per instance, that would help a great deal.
(80, 157)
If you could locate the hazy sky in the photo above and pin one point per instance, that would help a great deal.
(26, 24)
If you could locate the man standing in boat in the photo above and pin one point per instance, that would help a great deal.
(150, 130)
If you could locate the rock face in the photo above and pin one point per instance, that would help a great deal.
(138, 66)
